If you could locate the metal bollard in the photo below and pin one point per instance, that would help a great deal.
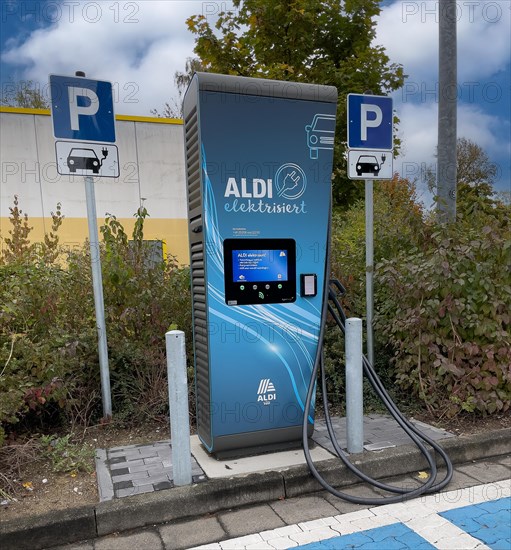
(178, 401)
(354, 395)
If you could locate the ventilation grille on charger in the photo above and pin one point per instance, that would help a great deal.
(198, 275)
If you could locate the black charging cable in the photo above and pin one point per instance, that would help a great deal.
(332, 305)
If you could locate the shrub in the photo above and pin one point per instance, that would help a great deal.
(442, 298)
(49, 369)
(143, 299)
(398, 225)
(31, 377)
(444, 308)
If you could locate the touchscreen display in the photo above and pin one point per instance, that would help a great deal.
(253, 266)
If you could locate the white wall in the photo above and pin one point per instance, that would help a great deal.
(151, 158)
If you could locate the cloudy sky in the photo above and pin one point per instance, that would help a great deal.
(138, 45)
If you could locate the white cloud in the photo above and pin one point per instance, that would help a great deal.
(419, 129)
(419, 126)
(409, 32)
(138, 46)
(144, 43)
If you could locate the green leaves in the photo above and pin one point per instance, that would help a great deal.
(444, 307)
(49, 370)
(318, 41)
(67, 456)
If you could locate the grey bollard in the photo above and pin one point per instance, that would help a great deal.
(354, 394)
(178, 402)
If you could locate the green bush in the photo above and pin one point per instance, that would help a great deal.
(32, 372)
(442, 313)
(398, 225)
(445, 309)
(442, 298)
(49, 368)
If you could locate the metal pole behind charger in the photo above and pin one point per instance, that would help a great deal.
(369, 205)
(178, 402)
(97, 283)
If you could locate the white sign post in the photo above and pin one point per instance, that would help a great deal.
(370, 156)
(82, 110)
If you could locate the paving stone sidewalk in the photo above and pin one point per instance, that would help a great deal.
(380, 432)
(136, 469)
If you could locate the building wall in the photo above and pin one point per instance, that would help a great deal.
(152, 173)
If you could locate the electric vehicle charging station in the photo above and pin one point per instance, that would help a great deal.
(258, 167)
(258, 162)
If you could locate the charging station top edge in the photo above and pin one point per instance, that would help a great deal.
(265, 87)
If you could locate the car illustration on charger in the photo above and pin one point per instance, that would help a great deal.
(81, 158)
(320, 134)
(368, 164)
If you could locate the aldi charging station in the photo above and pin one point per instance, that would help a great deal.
(259, 162)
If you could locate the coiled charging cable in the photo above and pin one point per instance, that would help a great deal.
(332, 305)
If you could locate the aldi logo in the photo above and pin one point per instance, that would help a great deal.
(266, 392)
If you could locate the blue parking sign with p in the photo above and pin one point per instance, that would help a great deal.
(82, 109)
(370, 122)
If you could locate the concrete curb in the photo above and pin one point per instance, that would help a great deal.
(182, 502)
(62, 527)
(49, 529)
(396, 461)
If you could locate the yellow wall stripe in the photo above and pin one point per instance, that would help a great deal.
(24, 111)
(174, 232)
(157, 120)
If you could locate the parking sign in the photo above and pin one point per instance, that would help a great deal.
(370, 122)
(82, 109)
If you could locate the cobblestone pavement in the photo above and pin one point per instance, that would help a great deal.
(472, 512)
(136, 469)
(422, 524)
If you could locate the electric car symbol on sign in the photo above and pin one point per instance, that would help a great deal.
(320, 134)
(367, 164)
(83, 159)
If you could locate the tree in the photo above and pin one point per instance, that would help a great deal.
(475, 177)
(317, 41)
(24, 94)
(181, 80)
(475, 170)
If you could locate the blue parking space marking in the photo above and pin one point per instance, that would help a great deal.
(489, 522)
(390, 537)
(453, 519)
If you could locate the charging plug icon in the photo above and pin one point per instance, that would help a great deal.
(290, 182)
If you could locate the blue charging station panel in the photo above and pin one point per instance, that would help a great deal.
(258, 162)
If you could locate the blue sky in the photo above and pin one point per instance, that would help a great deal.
(138, 45)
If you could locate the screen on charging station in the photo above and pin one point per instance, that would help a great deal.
(253, 266)
(259, 271)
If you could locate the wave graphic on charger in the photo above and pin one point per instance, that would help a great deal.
(294, 334)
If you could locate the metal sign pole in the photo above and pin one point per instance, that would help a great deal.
(369, 268)
(370, 139)
(99, 306)
(447, 112)
(77, 122)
